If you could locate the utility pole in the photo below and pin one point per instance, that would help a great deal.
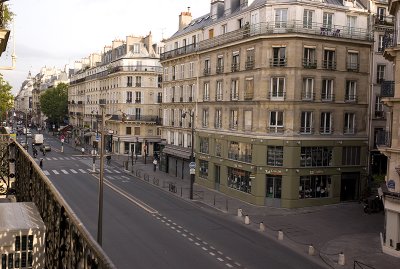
(101, 178)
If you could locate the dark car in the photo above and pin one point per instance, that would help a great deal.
(45, 147)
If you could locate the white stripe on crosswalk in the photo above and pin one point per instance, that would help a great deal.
(109, 177)
(48, 158)
(73, 158)
(46, 172)
(66, 158)
(55, 172)
(90, 170)
(61, 158)
(108, 170)
(73, 171)
(64, 171)
(54, 158)
(83, 171)
(117, 172)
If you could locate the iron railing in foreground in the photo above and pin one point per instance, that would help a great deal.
(68, 243)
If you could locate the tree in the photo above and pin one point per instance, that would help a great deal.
(53, 103)
(6, 98)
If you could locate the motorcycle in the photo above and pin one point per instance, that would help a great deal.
(373, 204)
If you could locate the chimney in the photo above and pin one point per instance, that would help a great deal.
(217, 9)
(184, 19)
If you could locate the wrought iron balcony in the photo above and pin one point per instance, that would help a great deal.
(220, 70)
(68, 243)
(327, 64)
(307, 63)
(278, 62)
(387, 88)
(383, 139)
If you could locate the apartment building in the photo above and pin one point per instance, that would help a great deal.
(389, 142)
(126, 78)
(280, 98)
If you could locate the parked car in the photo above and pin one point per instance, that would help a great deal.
(45, 147)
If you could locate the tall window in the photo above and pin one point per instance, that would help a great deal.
(207, 67)
(203, 169)
(218, 148)
(350, 94)
(276, 121)
(138, 97)
(328, 20)
(166, 78)
(275, 155)
(248, 120)
(327, 90)
(240, 151)
(138, 81)
(315, 156)
(235, 89)
(249, 89)
(281, 17)
(250, 59)
(191, 69)
(329, 61)
(204, 145)
(206, 91)
(306, 122)
(235, 61)
(279, 56)
(380, 43)
(352, 61)
(182, 71)
(224, 29)
(128, 130)
(309, 58)
(277, 88)
(233, 119)
(205, 118)
(138, 112)
(219, 91)
(351, 155)
(220, 64)
(351, 24)
(129, 97)
(349, 123)
(129, 81)
(308, 18)
(379, 113)
(308, 89)
(380, 14)
(380, 73)
(326, 123)
(218, 118)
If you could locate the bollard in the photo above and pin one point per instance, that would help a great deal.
(247, 220)
(239, 213)
(311, 250)
(226, 205)
(341, 260)
(214, 199)
(262, 226)
(280, 235)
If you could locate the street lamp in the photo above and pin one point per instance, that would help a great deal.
(191, 114)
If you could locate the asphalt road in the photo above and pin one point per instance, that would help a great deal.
(146, 227)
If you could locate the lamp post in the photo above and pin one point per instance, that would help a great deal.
(101, 178)
(191, 114)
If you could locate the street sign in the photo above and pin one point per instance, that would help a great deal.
(391, 184)
(192, 165)
(192, 171)
(97, 138)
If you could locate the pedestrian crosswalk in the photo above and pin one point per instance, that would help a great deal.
(69, 171)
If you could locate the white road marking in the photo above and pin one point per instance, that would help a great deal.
(185, 235)
(190, 239)
(61, 158)
(108, 171)
(73, 158)
(230, 266)
(220, 253)
(228, 258)
(220, 259)
(117, 172)
(83, 171)
(212, 253)
(46, 172)
(197, 244)
(172, 227)
(205, 249)
(54, 158)
(238, 264)
(55, 172)
(73, 171)
(64, 171)
(67, 158)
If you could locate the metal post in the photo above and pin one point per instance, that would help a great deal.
(100, 217)
(192, 155)
(26, 129)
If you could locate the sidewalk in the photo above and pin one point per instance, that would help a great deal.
(330, 230)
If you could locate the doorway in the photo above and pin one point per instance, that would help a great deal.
(350, 183)
(273, 190)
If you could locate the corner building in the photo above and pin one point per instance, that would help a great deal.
(281, 98)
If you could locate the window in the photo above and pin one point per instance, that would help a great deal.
(129, 97)
(351, 24)
(326, 123)
(235, 61)
(138, 81)
(350, 94)
(380, 43)
(240, 23)
(204, 142)
(281, 17)
(380, 14)
(279, 57)
(218, 118)
(182, 71)
(351, 155)
(327, 90)
(138, 97)
(218, 148)
(220, 64)
(380, 73)
(224, 29)
(137, 130)
(274, 187)
(249, 89)
(204, 121)
(308, 89)
(219, 91)
(352, 61)
(329, 61)
(248, 120)
(349, 123)
(250, 59)
(328, 20)
(239, 179)
(315, 156)
(203, 169)
(138, 112)
(210, 33)
(136, 48)
(206, 91)
(17, 243)
(233, 119)
(306, 122)
(159, 97)
(309, 59)
(129, 81)
(191, 69)
(10, 260)
(314, 186)
(207, 67)
(166, 74)
(308, 18)
(240, 151)
(276, 121)
(235, 90)
(128, 130)
(275, 155)
(379, 112)
(277, 88)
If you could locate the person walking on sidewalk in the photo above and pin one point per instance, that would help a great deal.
(83, 151)
(155, 165)
(41, 163)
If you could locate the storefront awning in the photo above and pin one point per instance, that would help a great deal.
(177, 151)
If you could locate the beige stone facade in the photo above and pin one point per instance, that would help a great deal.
(280, 103)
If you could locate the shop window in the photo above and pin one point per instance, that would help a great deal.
(315, 156)
(275, 155)
(203, 172)
(314, 187)
(239, 179)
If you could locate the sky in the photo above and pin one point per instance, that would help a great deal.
(54, 33)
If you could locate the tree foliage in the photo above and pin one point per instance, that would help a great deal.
(6, 97)
(53, 103)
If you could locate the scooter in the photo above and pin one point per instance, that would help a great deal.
(373, 204)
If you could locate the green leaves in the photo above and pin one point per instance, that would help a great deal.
(53, 103)
(6, 98)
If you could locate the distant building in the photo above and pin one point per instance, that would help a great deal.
(280, 93)
(23, 233)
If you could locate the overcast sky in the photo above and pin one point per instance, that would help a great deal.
(54, 33)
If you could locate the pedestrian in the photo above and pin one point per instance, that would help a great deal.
(83, 150)
(155, 165)
(41, 163)
(108, 159)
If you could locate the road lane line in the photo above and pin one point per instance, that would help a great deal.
(55, 172)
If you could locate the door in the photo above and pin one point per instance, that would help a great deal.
(349, 190)
(217, 177)
(273, 190)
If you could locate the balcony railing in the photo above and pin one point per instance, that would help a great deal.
(235, 67)
(307, 96)
(220, 70)
(307, 63)
(330, 65)
(249, 64)
(272, 28)
(383, 139)
(387, 88)
(142, 118)
(207, 71)
(240, 157)
(306, 130)
(68, 243)
(381, 20)
(350, 98)
(277, 62)
(353, 67)
(327, 97)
